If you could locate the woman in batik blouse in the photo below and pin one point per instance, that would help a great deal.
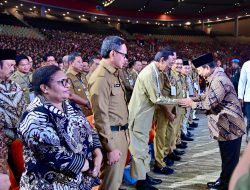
(61, 150)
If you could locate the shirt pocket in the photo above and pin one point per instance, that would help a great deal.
(116, 91)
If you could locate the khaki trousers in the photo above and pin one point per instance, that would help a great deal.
(160, 140)
(112, 175)
(173, 132)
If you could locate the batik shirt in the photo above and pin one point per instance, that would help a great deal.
(56, 146)
(12, 105)
(225, 121)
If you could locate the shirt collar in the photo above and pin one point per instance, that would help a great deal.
(108, 66)
(216, 70)
(72, 71)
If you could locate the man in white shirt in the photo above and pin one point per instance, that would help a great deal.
(244, 92)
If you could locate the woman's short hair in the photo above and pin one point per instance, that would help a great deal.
(43, 76)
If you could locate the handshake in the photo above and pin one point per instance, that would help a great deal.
(213, 109)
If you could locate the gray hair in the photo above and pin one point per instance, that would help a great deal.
(163, 53)
(65, 58)
(73, 56)
(111, 43)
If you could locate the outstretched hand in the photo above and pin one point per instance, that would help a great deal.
(186, 102)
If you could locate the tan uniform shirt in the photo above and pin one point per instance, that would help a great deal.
(128, 82)
(79, 86)
(24, 81)
(107, 95)
(134, 74)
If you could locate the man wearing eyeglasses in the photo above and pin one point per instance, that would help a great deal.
(107, 95)
(79, 84)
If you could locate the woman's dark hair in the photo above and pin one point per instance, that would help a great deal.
(43, 76)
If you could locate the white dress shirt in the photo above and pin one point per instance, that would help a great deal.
(244, 82)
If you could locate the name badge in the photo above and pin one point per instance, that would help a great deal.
(196, 86)
(117, 85)
(183, 93)
(173, 91)
(31, 96)
(131, 82)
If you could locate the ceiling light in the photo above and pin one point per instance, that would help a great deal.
(21, 5)
(188, 23)
(147, 22)
(226, 17)
(34, 7)
(95, 17)
(64, 14)
(173, 8)
(172, 25)
(137, 21)
(45, 11)
(119, 19)
(128, 20)
(79, 16)
(30, 9)
(108, 18)
(163, 24)
(6, 1)
(218, 18)
(17, 7)
(83, 15)
(48, 9)
(67, 13)
(208, 20)
(169, 11)
(1, 3)
(107, 2)
(108, 22)
(179, 24)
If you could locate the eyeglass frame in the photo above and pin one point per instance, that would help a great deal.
(124, 54)
(64, 82)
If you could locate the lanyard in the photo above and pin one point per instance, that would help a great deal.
(157, 80)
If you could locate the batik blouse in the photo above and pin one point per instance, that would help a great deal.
(56, 146)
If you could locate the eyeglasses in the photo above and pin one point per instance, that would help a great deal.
(124, 54)
(64, 82)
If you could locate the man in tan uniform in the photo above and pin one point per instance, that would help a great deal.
(107, 95)
(23, 77)
(79, 84)
(136, 69)
(127, 80)
(146, 94)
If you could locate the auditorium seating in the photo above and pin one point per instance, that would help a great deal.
(160, 30)
(19, 31)
(10, 20)
(89, 27)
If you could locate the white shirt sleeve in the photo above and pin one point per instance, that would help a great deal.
(242, 82)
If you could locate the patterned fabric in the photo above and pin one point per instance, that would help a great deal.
(12, 105)
(225, 121)
(56, 145)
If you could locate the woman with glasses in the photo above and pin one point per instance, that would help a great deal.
(61, 150)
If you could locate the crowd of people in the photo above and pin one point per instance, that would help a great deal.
(123, 88)
(64, 42)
